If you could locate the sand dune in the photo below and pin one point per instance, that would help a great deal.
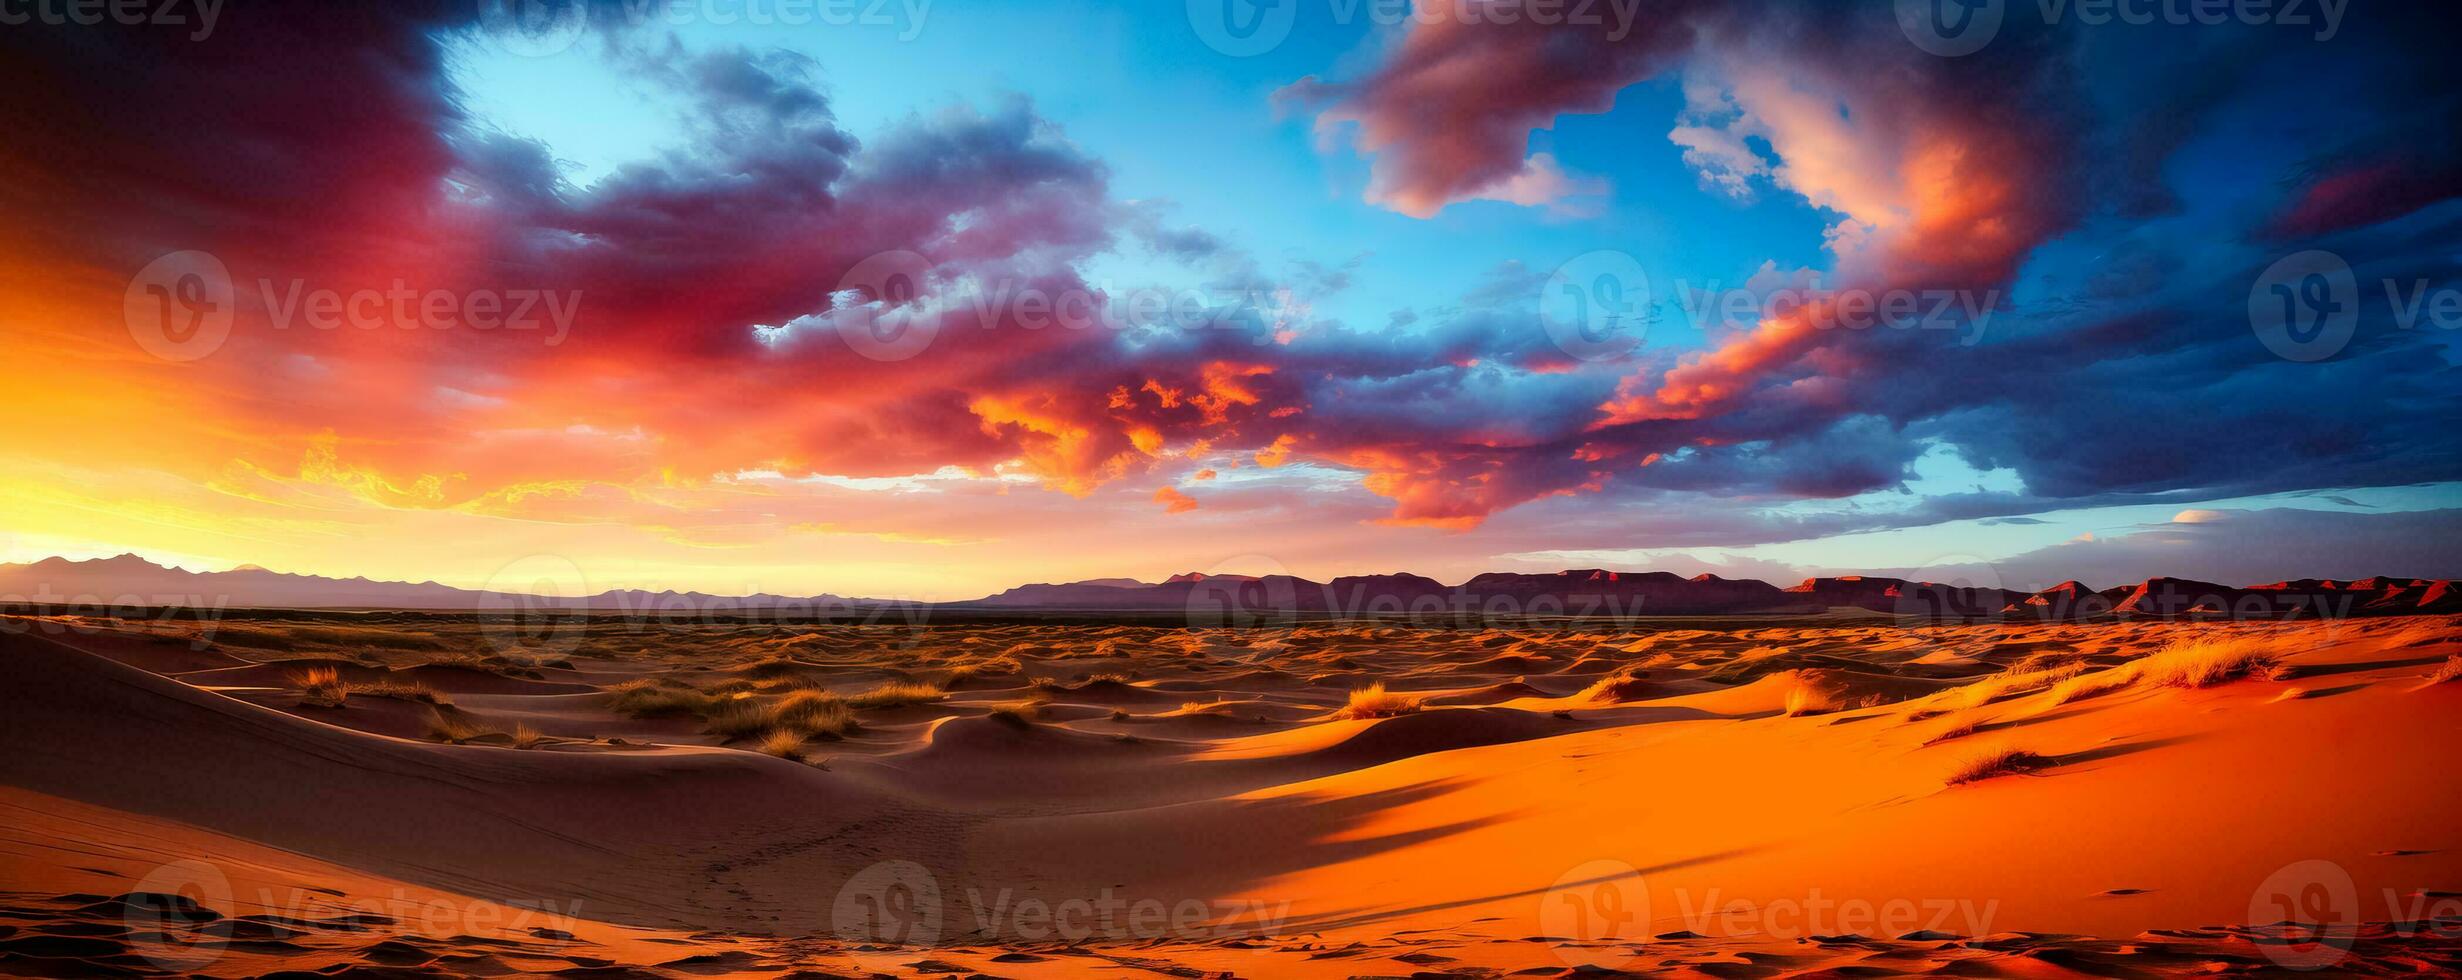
(490, 818)
(1742, 792)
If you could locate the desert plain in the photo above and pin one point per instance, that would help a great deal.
(406, 794)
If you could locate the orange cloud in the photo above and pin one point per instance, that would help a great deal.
(1278, 453)
(1174, 502)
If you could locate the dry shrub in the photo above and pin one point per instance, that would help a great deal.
(1630, 683)
(2002, 761)
(651, 699)
(2207, 662)
(494, 663)
(1020, 714)
(897, 694)
(777, 666)
(784, 744)
(1804, 699)
(1374, 701)
(2449, 673)
(2092, 685)
(741, 718)
(400, 691)
(2000, 687)
(2047, 660)
(321, 687)
(961, 673)
(1956, 731)
(814, 714)
(782, 682)
(457, 727)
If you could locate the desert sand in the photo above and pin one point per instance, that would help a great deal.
(409, 794)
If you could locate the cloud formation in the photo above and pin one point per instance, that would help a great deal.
(742, 295)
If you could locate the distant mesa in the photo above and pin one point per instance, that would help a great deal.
(128, 580)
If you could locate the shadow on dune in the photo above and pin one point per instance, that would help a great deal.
(1358, 917)
(2302, 671)
(1212, 848)
(2115, 751)
(2065, 712)
(642, 837)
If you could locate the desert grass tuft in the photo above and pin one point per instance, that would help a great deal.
(400, 691)
(1956, 731)
(1804, 699)
(652, 699)
(961, 673)
(897, 694)
(808, 714)
(1627, 683)
(1020, 714)
(2207, 662)
(457, 727)
(1993, 763)
(784, 744)
(2094, 685)
(2449, 673)
(2001, 687)
(1374, 701)
(776, 666)
(741, 718)
(321, 687)
(526, 737)
(814, 714)
(2046, 660)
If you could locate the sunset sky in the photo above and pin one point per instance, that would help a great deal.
(1324, 299)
